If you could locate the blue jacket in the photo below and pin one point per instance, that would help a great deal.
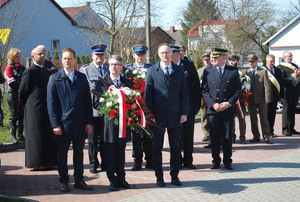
(69, 104)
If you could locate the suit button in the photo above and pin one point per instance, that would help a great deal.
(217, 98)
(228, 81)
(213, 82)
(225, 90)
(217, 89)
(224, 98)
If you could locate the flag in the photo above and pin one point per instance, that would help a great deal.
(4, 33)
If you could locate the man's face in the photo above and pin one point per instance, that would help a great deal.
(39, 56)
(270, 62)
(288, 58)
(182, 52)
(139, 58)
(115, 67)
(218, 61)
(68, 60)
(252, 63)
(233, 62)
(164, 53)
(206, 61)
(175, 57)
(98, 58)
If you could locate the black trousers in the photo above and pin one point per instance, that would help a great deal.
(16, 110)
(288, 114)
(188, 139)
(95, 145)
(115, 161)
(272, 107)
(221, 130)
(141, 143)
(62, 159)
(174, 141)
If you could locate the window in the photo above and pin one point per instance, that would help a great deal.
(55, 45)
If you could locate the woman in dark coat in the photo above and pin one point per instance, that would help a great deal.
(40, 150)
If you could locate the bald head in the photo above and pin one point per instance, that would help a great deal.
(38, 55)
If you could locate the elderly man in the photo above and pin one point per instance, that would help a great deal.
(275, 77)
(193, 85)
(94, 72)
(291, 94)
(167, 98)
(141, 143)
(221, 87)
(258, 100)
(40, 150)
(70, 112)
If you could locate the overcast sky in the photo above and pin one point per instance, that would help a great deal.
(171, 9)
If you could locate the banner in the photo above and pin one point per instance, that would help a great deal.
(4, 34)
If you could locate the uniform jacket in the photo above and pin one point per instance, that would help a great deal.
(218, 90)
(275, 95)
(167, 100)
(260, 86)
(290, 90)
(69, 104)
(93, 75)
(193, 85)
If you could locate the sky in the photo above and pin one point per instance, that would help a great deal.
(171, 9)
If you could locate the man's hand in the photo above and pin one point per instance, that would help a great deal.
(89, 128)
(216, 107)
(224, 106)
(267, 101)
(57, 130)
(281, 100)
(183, 118)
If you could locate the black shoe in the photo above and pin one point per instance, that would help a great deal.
(286, 133)
(267, 140)
(160, 183)
(190, 166)
(149, 166)
(94, 170)
(228, 167)
(273, 135)
(125, 185)
(113, 186)
(233, 138)
(254, 140)
(82, 185)
(215, 166)
(21, 138)
(64, 187)
(136, 167)
(205, 139)
(207, 146)
(295, 132)
(176, 181)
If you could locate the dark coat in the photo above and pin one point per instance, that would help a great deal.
(111, 130)
(193, 85)
(69, 104)
(290, 90)
(218, 90)
(40, 151)
(167, 100)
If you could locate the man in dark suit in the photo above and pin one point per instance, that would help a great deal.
(141, 143)
(193, 85)
(70, 112)
(291, 94)
(221, 88)
(113, 144)
(277, 90)
(95, 71)
(167, 98)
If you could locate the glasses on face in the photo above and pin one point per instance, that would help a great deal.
(115, 64)
(251, 61)
(164, 53)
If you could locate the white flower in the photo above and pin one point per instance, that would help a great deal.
(102, 99)
(135, 71)
(108, 104)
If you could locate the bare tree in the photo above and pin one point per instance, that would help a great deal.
(289, 13)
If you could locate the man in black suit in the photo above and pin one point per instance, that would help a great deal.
(291, 94)
(193, 85)
(275, 77)
(221, 88)
(167, 98)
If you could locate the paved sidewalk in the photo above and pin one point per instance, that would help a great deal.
(261, 173)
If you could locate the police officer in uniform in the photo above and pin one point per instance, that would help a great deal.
(95, 71)
(140, 141)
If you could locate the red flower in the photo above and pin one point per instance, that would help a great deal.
(130, 121)
(246, 103)
(143, 83)
(137, 80)
(112, 113)
(151, 116)
(132, 100)
(147, 124)
(140, 101)
(129, 78)
(135, 86)
(247, 94)
(142, 89)
(127, 106)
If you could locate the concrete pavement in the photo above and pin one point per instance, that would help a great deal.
(262, 172)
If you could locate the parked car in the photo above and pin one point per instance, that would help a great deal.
(280, 107)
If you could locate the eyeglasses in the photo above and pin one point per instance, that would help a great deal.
(115, 64)
(251, 61)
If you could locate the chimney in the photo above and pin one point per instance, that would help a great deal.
(172, 29)
(88, 4)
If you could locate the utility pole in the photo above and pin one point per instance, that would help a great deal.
(148, 31)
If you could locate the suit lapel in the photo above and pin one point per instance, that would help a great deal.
(161, 74)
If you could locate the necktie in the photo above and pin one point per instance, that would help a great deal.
(220, 72)
(253, 72)
(167, 72)
(100, 71)
(116, 82)
(272, 70)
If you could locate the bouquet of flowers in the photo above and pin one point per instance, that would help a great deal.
(138, 76)
(296, 75)
(203, 104)
(246, 86)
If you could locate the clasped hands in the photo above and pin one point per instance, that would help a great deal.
(219, 107)
(88, 129)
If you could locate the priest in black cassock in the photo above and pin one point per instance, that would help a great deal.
(39, 145)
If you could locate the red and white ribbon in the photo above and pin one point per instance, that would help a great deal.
(122, 110)
(238, 105)
(143, 118)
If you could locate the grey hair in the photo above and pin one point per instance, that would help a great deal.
(270, 56)
(116, 57)
(285, 53)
